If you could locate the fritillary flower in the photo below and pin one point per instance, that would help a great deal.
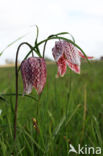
(33, 72)
(65, 54)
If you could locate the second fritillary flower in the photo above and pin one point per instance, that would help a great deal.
(65, 54)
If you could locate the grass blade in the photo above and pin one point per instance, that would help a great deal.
(74, 112)
(9, 45)
(97, 130)
(59, 126)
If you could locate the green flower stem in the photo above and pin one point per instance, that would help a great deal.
(16, 73)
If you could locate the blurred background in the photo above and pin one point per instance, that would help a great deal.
(82, 18)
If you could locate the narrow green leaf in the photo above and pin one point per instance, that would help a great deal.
(64, 33)
(37, 34)
(1, 98)
(93, 130)
(36, 40)
(97, 130)
(21, 150)
(74, 112)
(37, 145)
(14, 94)
(3, 148)
(28, 145)
(51, 117)
(32, 139)
(10, 127)
(12, 43)
(1, 53)
(59, 126)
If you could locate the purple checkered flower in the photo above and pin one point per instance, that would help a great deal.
(33, 72)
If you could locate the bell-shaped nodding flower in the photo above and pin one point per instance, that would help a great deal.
(33, 72)
(65, 54)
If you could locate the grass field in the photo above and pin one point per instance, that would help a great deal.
(70, 111)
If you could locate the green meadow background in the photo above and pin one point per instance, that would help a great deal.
(70, 111)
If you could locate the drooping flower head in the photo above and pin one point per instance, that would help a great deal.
(33, 72)
(65, 54)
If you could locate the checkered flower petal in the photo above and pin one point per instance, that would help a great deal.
(61, 66)
(26, 76)
(57, 51)
(74, 67)
(66, 53)
(33, 74)
(38, 73)
(71, 53)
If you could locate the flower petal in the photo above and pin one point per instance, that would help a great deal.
(43, 76)
(57, 51)
(33, 72)
(71, 53)
(61, 66)
(82, 55)
(38, 73)
(26, 75)
(74, 67)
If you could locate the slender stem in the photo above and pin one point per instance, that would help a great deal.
(20, 65)
(37, 113)
(68, 95)
(16, 73)
(46, 44)
(32, 54)
(44, 49)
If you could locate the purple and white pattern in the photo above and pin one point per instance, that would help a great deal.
(33, 72)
